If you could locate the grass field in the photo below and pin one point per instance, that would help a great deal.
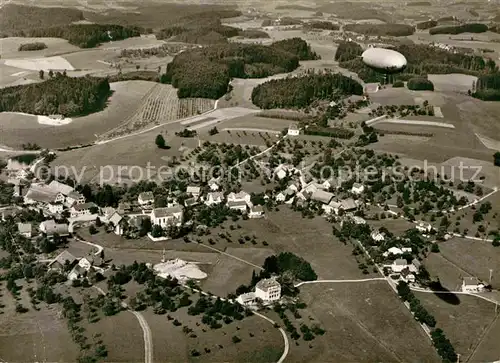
(464, 323)
(10, 47)
(35, 335)
(365, 322)
(475, 257)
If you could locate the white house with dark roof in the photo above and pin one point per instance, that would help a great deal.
(145, 198)
(170, 216)
(116, 220)
(256, 212)
(471, 285)
(74, 198)
(78, 210)
(241, 197)
(240, 205)
(50, 228)
(293, 130)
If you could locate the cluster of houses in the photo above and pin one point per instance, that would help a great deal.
(74, 267)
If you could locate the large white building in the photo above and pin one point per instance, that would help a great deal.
(268, 290)
(471, 284)
(165, 217)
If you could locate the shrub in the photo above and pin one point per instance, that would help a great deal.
(420, 84)
(398, 84)
(32, 46)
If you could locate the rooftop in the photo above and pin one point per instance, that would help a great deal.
(84, 206)
(146, 196)
(60, 187)
(266, 284)
(75, 195)
(471, 281)
(166, 212)
(24, 227)
(322, 196)
(400, 262)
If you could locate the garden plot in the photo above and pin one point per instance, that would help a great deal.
(37, 64)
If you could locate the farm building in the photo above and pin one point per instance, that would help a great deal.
(165, 217)
(268, 290)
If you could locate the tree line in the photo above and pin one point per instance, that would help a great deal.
(391, 29)
(67, 96)
(300, 92)
(487, 87)
(83, 35)
(459, 29)
(206, 72)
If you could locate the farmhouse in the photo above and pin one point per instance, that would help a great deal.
(293, 130)
(74, 198)
(214, 198)
(55, 208)
(248, 299)
(256, 212)
(169, 216)
(40, 194)
(61, 188)
(268, 290)
(146, 198)
(116, 221)
(330, 184)
(195, 191)
(83, 266)
(62, 260)
(282, 171)
(322, 196)
(424, 227)
(78, 210)
(399, 264)
(240, 205)
(51, 228)
(25, 229)
(357, 188)
(471, 284)
(242, 196)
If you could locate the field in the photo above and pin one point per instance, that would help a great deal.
(55, 46)
(365, 322)
(452, 82)
(127, 96)
(476, 257)
(35, 335)
(160, 105)
(464, 323)
(36, 64)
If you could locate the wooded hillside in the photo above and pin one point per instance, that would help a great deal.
(15, 18)
(85, 35)
(300, 92)
(488, 87)
(206, 72)
(68, 96)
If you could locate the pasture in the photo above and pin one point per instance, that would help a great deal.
(475, 257)
(464, 323)
(365, 322)
(10, 46)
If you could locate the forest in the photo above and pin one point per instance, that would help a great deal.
(206, 72)
(427, 24)
(422, 60)
(300, 92)
(420, 84)
(327, 25)
(459, 29)
(391, 29)
(67, 96)
(84, 35)
(15, 18)
(32, 46)
(488, 87)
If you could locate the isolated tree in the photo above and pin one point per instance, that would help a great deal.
(41, 74)
(160, 141)
(51, 73)
(497, 158)
(137, 67)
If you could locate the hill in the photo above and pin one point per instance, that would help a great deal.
(300, 92)
(15, 18)
(68, 96)
(206, 72)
